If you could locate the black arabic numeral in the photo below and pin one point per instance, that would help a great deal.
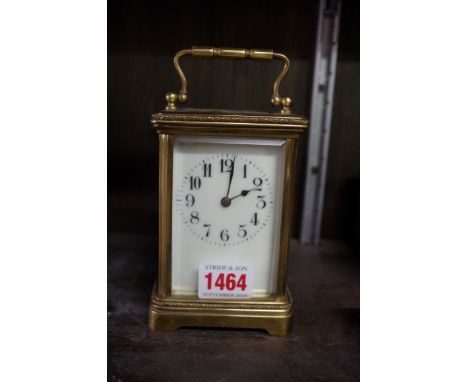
(208, 230)
(245, 171)
(226, 165)
(261, 203)
(207, 170)
(194, 219)
(190, 200)
(257, 182)
(242, 231)
(195, 182)
(224, 235)
(254, 219)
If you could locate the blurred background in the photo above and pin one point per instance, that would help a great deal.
(143, 37)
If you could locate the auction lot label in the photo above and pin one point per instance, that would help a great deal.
(224, 281)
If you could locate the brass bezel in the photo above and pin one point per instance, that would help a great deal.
(169, 312)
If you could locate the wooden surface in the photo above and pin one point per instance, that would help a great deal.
(323, 345)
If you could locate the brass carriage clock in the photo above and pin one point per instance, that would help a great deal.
(225, 205)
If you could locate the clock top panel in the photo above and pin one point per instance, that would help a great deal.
(203, 121)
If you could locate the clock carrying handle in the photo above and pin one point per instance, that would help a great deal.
(255, 54)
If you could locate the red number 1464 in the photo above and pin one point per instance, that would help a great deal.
(226, 281)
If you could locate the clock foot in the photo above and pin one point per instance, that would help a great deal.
(169, 314)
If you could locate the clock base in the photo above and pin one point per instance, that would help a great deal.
(171, 313)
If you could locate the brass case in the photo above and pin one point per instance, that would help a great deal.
(167, 312)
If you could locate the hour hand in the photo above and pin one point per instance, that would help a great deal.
(245, 192)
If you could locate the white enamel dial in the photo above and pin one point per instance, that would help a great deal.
(225, 199)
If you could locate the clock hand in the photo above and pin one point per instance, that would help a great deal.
(230, 177)
(226, 201)
(245, 192)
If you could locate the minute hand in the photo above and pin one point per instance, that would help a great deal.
(230, 177)
(245, 192)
